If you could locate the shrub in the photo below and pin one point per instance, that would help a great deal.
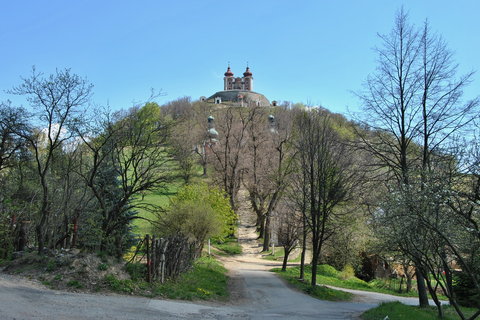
(347, 273)
(198, 212)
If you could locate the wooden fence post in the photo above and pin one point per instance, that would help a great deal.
(149, 269)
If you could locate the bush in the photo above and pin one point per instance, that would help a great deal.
(211, 199)
(347, 272)
(198, 212)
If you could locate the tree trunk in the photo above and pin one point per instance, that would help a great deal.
(422, 290)
(304, 249)
(266, 234)
(75, 232)
(314, 262)
(409, 282)
(40, 240)
(285, 258)
(261, 225)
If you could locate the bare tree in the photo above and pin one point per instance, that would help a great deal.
(326, 165)
(227, 154)
(289, 229)
(413, 103)
(269, 158)
(56, 101)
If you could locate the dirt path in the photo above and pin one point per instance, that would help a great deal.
(261, 294)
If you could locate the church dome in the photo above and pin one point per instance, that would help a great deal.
(229, 73)
(247, 73)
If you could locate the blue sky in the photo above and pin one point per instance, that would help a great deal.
(315, 52)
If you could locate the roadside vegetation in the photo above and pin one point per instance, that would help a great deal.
(399, 311)
(319, 291)
(207, 280)
(327, 275)
(229, 246)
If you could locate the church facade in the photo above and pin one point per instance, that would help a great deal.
(244, 83)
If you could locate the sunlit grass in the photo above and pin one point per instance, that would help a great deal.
(327, 275)
(320, 292)
(399, 311)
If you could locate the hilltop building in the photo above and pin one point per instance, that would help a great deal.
(238, 90)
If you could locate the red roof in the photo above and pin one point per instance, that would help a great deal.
(229, 73)
(247, 73)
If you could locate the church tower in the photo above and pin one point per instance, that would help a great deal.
(228, 79)
(248, 80)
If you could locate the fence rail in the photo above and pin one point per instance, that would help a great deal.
(165, 258)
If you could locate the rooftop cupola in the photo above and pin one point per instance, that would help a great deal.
(247, 73)
(229, 72)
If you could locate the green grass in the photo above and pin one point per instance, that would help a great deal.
(206, 281)
(278, 256)
(228, 247)
(159, 198)
(327, 275)
(320, 292)
(399, 311)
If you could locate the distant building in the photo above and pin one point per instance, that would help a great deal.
(231, 83)
(239, 90)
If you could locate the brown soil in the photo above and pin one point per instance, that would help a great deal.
(67, 270)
